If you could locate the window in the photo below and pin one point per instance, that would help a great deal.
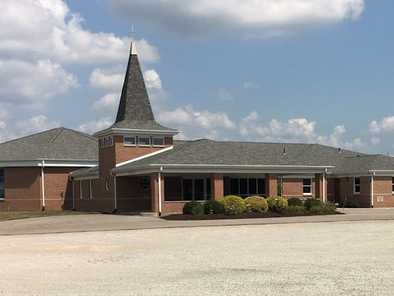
(392, 184)
(106, 142)
(2, 195)
(356, 185)
(158, 141)
(198, 189)
(144, 141)
(247, 186)
(307, 186)
(129, 141)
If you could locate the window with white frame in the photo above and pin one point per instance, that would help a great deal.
(2, 191)
(307, 186)
(129, 141)
(356, 185)
(157, 141)
(144, 141)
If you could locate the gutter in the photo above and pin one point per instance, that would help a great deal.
(160, 193)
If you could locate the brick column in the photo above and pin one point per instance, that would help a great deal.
(319, 186)
(217, 186)
(271, 184)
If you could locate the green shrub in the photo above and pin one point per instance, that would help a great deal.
(213, 207)
(193, 208)
(256, 204)
(323, 209)
(312, 202)
(233, 205)
(296, 210)
(351, 204)
(277, 204)
(295, 202)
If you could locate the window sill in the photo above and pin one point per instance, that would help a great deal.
(307, 194)
(129, 145)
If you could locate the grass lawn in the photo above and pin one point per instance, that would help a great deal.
(4, 216)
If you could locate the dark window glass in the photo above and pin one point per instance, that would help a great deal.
(188, 189)
(357, 186)
(158, 141)
(307, 182)
(144, 141)
(209, 191)
(392, 184)
(243, 187)
(129, 140)
(307, 186)
(234, 186)
(173, 188)
(199, 189)
(253, 186)
(261, 186)
(1, 184)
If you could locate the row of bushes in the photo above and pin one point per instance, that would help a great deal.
(235, 205)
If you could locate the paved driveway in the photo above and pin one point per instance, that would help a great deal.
(101, 222)
(343, 258)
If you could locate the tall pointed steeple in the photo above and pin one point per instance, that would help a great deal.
(135, 111)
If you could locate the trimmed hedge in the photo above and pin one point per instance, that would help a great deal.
(312, 202)
(213, 207)
(233, 205)
(295, 202)
(193, 208)
(296, 210)
(323, 209)
(256, 204)
(277, 204)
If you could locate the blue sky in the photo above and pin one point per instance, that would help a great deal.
(319, 73)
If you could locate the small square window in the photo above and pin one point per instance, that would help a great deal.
(158, 141)
(129, 141)
(357, 185)
(144, 141)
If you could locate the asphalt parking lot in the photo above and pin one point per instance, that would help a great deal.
(339, 258)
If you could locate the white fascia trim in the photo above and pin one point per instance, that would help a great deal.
(277, 167)
(145, 156)
(127, 131)
(48, 163)
(382, 172)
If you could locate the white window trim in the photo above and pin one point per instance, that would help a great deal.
(354, 186)
(311, 186)
(392, 185)
(127, 144)
(144, 145)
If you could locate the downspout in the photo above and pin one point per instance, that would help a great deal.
(115, 196)
(160, 193)
(43, 185)
(372, 188)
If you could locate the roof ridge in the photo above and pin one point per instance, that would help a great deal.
(81, 133)
(29, 136)
(53, 139)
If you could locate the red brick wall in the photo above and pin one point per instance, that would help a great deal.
(271, 183)
(346, 191)
(58, 188)
(217, 186)
(383, 196)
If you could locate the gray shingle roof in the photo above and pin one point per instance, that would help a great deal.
(245, 153)
(364, 163)
(135, 111)
(55, 144)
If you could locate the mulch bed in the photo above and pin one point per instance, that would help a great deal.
(178, 217)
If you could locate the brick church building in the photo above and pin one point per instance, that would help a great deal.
(135, 165)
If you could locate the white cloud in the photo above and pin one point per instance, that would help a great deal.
(96, 125)
(107, 103)
(385, 125)
(106, 79)
(48, 29)
(298, 130)
(33, 82)
(203, 15)
(152, 80)
(187, 116)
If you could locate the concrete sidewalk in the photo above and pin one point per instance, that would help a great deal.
(101, 222)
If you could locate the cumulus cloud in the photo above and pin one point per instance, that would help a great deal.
(152, 80)
(96, 125)
(296, 130)
(106, 79)
(385, 125)
(48, 29)
(196, 16)
(107, 103)
(33, 82)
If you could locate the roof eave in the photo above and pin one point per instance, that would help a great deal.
(127, 131)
